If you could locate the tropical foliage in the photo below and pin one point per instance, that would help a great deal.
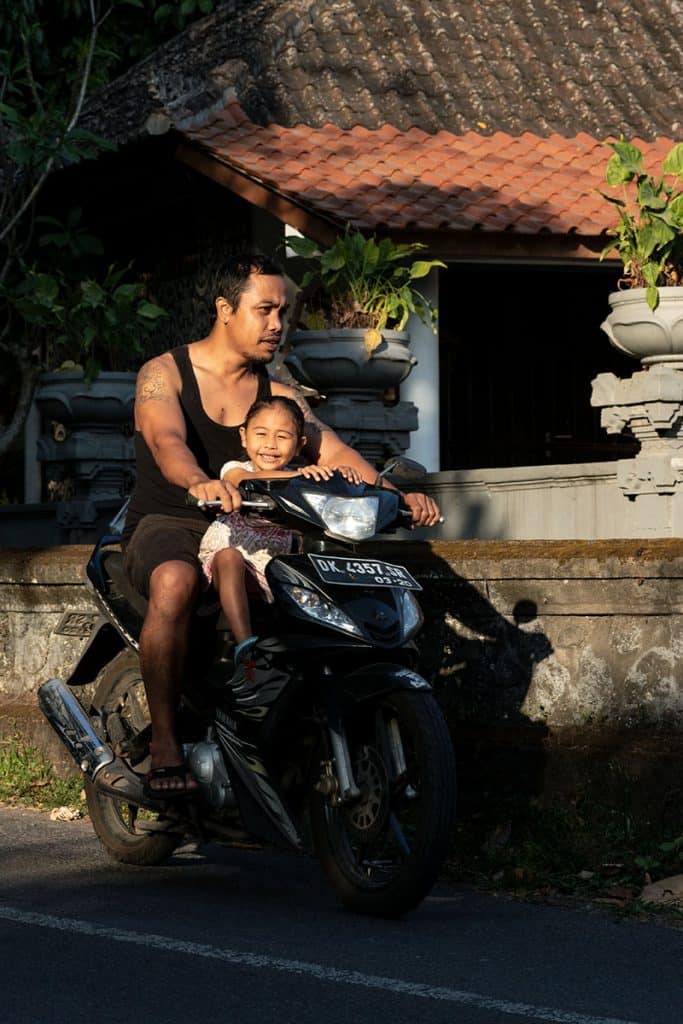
(649, 234)
(55, 284)
(363, 283)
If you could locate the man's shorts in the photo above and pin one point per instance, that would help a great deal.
(157, 539)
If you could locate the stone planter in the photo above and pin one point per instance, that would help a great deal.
(66, 398)
(353, 381)
(86, 446)
(336, 361)
(651, 337)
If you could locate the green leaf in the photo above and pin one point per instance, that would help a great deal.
(651, 272)
(126, 293)
(676, 211)
(163, 12)
(151, 312)
(628, 155)
(652, 298)
(673, 161)
(89, 334)
(649, 197)
(421, 268)
(610, 247)
(616, 173)
(90, 244)
(45, 288)
(60, 241)
(93, 294)
(654, 234)
(302, 246)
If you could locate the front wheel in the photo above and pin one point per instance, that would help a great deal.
(383, 850)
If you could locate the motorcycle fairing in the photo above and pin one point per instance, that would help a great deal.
(104, 643)
(261, 808)
(372, 681)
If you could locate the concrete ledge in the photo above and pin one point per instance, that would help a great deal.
(559, 634)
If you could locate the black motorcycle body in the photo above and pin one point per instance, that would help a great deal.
(343, 751)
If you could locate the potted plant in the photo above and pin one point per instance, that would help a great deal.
(89, 335)
(358, 295)
(647, 312)
(87, 328)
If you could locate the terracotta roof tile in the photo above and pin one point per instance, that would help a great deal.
(526, 184)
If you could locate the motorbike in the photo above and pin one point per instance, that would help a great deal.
(343, 752)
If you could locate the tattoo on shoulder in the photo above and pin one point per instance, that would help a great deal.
(151, 384)
(311, 419)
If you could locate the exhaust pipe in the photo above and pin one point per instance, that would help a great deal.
(70, 722)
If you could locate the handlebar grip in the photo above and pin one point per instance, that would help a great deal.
(407, 514)
(264, 503)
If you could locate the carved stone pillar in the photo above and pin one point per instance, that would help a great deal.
(649, 406)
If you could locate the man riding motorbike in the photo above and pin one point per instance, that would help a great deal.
(190, 403)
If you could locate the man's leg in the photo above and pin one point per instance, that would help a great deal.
(173, 593)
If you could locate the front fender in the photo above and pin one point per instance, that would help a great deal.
(375, 680)
(103, 645)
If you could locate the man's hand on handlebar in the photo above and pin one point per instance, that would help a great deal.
(216, 490)
(424, 509)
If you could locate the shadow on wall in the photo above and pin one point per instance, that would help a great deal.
(481, 666)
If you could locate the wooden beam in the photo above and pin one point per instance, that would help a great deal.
(507, 245)
(319, 228)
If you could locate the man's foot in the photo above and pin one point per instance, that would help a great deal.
(170, 782)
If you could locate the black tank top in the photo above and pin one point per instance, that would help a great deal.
(211, 443)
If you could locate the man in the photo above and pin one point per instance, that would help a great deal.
(189, 405)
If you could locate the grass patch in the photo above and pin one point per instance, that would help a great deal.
(28, 779)
(578, 848)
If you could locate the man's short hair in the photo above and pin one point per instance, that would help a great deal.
(237, 270)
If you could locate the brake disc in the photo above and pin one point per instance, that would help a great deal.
(366, 818)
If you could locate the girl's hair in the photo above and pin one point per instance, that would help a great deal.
(292, 407)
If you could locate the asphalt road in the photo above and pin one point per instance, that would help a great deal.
(222, 935)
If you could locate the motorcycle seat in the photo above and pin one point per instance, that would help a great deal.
(112, 566)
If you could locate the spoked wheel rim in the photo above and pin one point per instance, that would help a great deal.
(127, 831)
(374, 834)
(383, 850)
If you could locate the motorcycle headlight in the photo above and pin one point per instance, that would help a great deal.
(314, 605)
(355, 518)
(412, 613)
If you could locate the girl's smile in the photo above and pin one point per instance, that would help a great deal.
(271, 438)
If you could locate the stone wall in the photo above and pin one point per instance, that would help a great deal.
(534, 644)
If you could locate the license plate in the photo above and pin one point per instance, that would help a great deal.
(365, 572)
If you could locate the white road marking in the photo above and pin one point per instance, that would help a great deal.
(320, 972)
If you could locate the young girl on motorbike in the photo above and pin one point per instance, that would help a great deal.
(272, 435)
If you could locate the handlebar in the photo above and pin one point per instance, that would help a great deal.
(263, 503)
(267, 504)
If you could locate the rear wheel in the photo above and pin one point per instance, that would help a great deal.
(382, 851)
(126, 831)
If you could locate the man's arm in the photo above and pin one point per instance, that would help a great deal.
(159, 418)
(324, 446)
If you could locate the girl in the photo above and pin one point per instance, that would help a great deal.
(272, 435)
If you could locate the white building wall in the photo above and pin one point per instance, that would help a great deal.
(422, 386)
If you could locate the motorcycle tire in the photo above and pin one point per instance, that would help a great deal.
(383, 851)
(121, 706)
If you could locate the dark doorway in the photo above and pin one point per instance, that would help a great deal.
(519, 347)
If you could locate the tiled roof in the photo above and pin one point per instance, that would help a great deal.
(551, 67)
(412, 180)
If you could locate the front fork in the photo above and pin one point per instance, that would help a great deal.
(337, 781)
